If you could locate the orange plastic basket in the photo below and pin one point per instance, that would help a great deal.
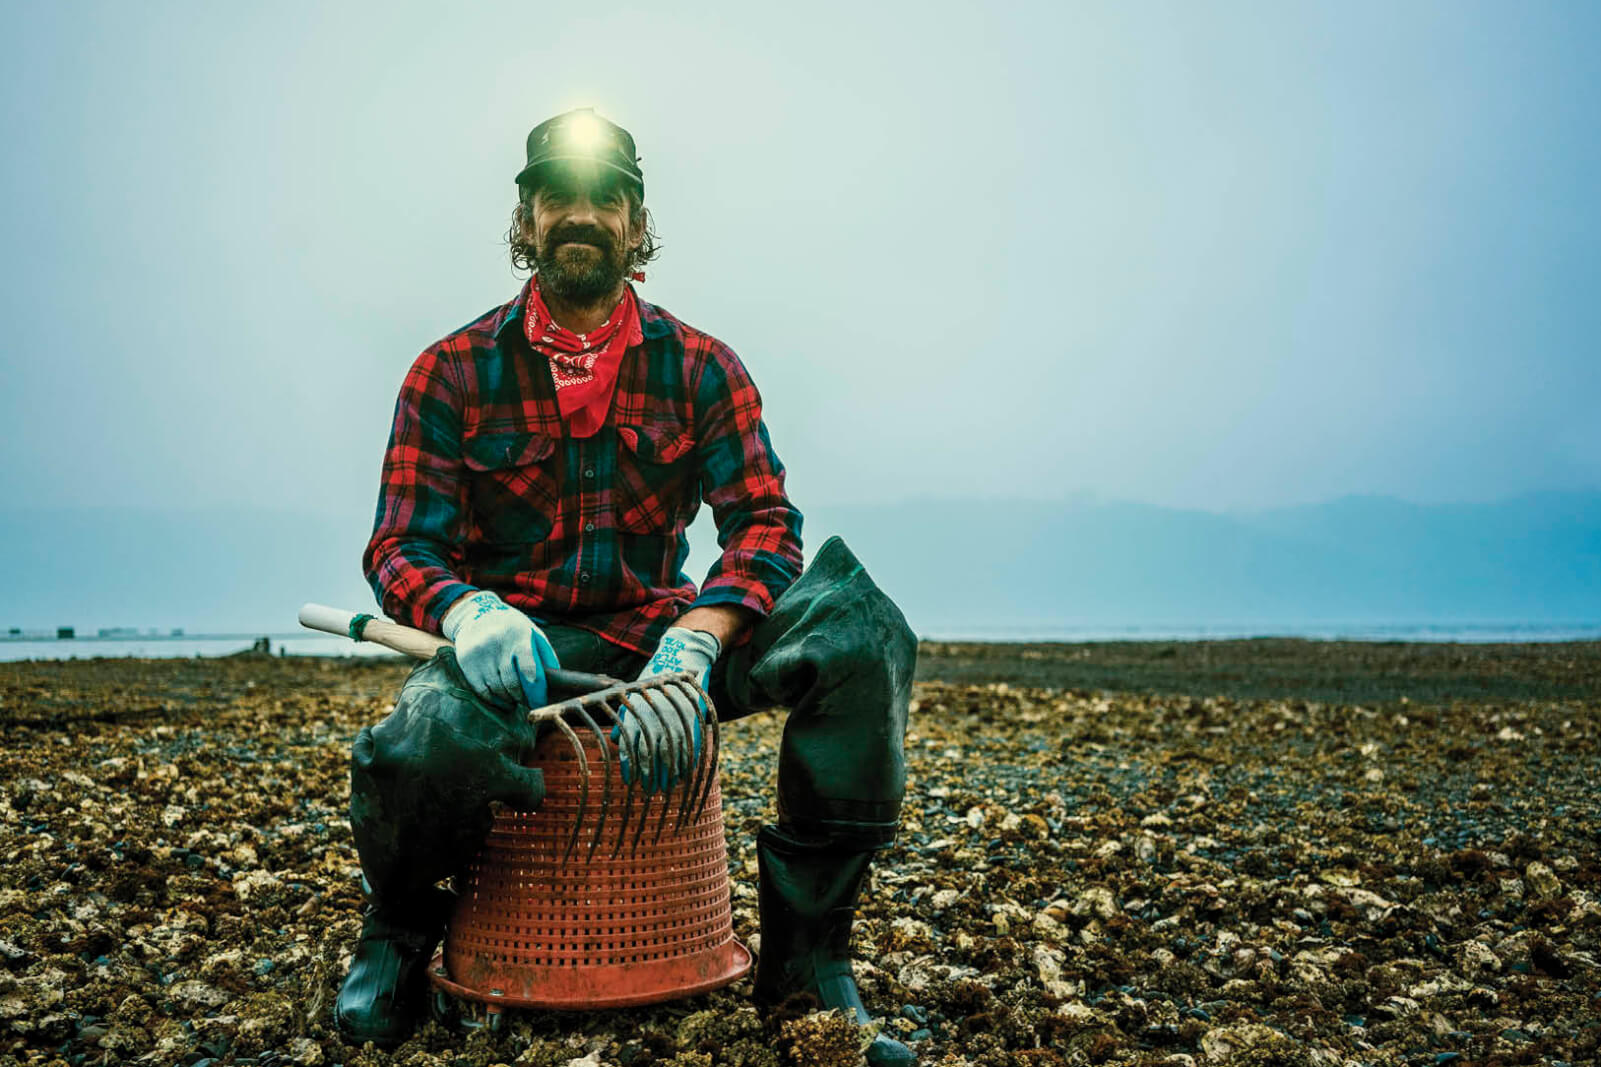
(533, 929)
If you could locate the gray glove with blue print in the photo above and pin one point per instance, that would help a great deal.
(656, 721)
(503, 655)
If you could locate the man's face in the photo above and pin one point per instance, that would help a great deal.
(583, 233)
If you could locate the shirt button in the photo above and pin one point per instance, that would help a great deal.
(589, 527)
(583, 578)
(590, 473)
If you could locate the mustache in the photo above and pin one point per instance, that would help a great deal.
(588, 235)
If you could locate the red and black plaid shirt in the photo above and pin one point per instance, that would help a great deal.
(482, 489)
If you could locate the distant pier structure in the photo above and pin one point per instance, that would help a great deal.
(104, 633)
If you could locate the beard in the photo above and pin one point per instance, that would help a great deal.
(583, 272)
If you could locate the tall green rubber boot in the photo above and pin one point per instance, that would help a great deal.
(807, 896)
(385, 994)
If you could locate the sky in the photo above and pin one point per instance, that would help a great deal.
(1221, 256)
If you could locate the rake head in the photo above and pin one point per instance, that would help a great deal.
(600, 711)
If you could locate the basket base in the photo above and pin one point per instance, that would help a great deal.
(571, 989)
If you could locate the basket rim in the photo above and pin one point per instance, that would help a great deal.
(736, 964)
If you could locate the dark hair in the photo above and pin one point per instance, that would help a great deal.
(522, 248)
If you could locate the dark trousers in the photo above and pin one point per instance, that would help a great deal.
(835, 651)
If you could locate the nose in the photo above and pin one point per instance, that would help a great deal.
(582, 209)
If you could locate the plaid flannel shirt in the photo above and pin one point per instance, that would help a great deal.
(482, 489)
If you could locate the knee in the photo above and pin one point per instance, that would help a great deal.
(421, 724)
(383, 749)
(875, 644)
(835, 631)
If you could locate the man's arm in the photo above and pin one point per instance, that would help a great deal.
(723, 621)
(412, 559)
(743, 482)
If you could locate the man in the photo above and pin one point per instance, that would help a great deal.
(542, 467)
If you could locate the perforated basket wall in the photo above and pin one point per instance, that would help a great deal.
(535, 930)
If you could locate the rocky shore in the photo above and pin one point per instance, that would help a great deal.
(1184, 853)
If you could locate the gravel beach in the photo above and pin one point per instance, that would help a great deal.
(1181, 853)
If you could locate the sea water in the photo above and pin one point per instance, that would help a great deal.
(1464, 633)
(306, 643)
(204, 645)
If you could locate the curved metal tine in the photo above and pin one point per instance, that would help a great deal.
(714, 745)
(711, 709)
(583, 786)
(689, 779)
(673, 691)
(644, 777)
(668, 702)
(604, 744)
(666, 715)
(717, 761)
(707, 764)
(628, 789)
(660, 743)
(709, 749)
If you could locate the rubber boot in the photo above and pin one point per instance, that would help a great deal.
(807, 895)
(385, 995)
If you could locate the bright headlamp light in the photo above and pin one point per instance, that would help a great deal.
(586, 135)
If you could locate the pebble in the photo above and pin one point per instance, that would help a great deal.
(1097, 901)
(1543, 881)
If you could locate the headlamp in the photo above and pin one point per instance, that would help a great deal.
(584, 134)
(582, 137)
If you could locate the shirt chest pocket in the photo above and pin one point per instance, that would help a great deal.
(658, 484)
(514, 486)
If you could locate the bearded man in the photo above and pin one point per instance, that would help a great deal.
(543, 465)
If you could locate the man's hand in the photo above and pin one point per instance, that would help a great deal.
(657, 723)
(502, 654)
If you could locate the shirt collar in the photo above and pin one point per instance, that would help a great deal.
(652, 320)
(511, 314)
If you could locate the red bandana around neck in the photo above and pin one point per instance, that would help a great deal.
(583, 365)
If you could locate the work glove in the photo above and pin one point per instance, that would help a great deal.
(652, 718)
(502, 654)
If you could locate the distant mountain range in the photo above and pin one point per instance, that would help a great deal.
(953, 565)
(1085, 561)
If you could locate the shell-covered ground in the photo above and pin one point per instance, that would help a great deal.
(1231, 852)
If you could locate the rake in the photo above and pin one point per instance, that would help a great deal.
(599, 709)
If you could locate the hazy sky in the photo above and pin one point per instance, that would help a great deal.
(1205, 255)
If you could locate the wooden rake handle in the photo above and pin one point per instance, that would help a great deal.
(419, 644)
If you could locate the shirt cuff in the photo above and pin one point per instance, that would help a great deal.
(741, 592)
(440, 601)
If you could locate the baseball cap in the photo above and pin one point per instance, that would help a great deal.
(581, 136)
